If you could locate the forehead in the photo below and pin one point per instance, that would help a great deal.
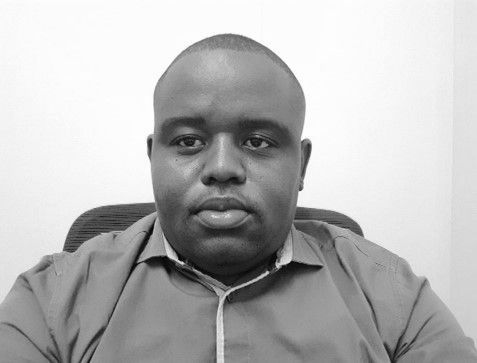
(227, 85)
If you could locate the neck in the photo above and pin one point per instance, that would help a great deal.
(241, 277)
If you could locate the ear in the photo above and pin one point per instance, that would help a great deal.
(150, 141)
(305, 157)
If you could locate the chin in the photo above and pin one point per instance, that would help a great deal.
(227, 250)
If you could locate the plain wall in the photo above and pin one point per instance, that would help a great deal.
(464, 195)
(76, 107)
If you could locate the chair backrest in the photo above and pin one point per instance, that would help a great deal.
(120, 216)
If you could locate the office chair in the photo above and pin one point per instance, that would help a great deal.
(120, 216)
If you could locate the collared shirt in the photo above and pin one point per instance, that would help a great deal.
(119, 298)
(283, 257)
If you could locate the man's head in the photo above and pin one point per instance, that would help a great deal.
(226, 157)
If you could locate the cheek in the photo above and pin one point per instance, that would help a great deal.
(172, 180)
(279, 177)
(277, 187)
(167, 181)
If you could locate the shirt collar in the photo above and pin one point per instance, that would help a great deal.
(295, 249)
(154, 246)
(305, 251)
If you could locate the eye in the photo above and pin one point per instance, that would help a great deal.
(257, 142)
(189, 142)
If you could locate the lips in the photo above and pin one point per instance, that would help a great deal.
(222, 213)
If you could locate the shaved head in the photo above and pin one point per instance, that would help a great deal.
(229, 115)
(238, 43)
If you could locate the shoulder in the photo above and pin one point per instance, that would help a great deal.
(373, 263)
(49, 280)
(384, 279)
(363, 257)
(350, 246)
(108, 246)
(368, 256)
(47, 300)
(411, 319)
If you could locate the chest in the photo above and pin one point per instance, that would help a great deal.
(174, 319)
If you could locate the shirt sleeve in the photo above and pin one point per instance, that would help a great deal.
(25, 315)
(431, 333)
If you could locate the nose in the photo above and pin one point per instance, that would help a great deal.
(223, 163)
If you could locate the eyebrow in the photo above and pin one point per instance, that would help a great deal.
(244, 123)
(264, 123)
(172, 122)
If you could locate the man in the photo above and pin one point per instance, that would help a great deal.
(222, 273)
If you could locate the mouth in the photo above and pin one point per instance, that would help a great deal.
(222, 213)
